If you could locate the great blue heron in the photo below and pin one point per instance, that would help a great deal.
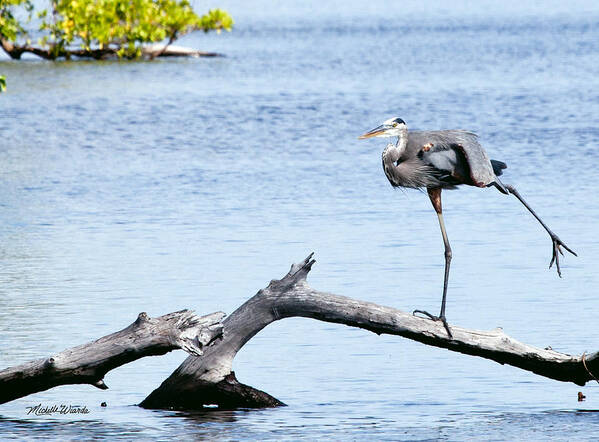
(443, 159)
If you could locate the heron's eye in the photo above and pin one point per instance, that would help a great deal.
(394, 125)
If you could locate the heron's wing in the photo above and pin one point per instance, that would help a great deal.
(457, 153)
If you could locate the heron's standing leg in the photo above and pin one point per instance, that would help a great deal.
(554, 238)
(435, 196)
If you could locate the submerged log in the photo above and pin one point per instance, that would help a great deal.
(16, 51)
(208, 380)
(88, 363)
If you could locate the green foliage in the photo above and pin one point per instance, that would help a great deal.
(10, 27)
(217, 20)
(2, 83)
(121, 25)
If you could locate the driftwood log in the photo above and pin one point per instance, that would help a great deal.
(15, 51)
(88, 363)
(209, 380)
(162, 50)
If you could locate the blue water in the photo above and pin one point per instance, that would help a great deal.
(157, 186)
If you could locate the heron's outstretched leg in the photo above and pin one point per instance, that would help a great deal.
(435, 196)
(554, 238)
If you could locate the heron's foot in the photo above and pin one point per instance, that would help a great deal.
(435, 318)
(557, 244)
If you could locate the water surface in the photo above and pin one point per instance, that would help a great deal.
(157, 186)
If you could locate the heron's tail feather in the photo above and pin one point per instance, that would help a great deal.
(498, 167)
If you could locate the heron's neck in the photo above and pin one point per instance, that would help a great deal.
(395, 151)
(402, 140)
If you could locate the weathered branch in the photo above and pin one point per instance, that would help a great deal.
(148, 51)
(88, 363)
(208, 379)
(15, 51)
(200, 381)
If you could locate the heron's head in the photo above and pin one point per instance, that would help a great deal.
(393, 127)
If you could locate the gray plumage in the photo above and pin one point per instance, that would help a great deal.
(441, 158)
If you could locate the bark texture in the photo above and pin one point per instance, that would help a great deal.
(202, 381)
(88, 363)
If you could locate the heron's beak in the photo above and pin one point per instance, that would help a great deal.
(376, 132)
